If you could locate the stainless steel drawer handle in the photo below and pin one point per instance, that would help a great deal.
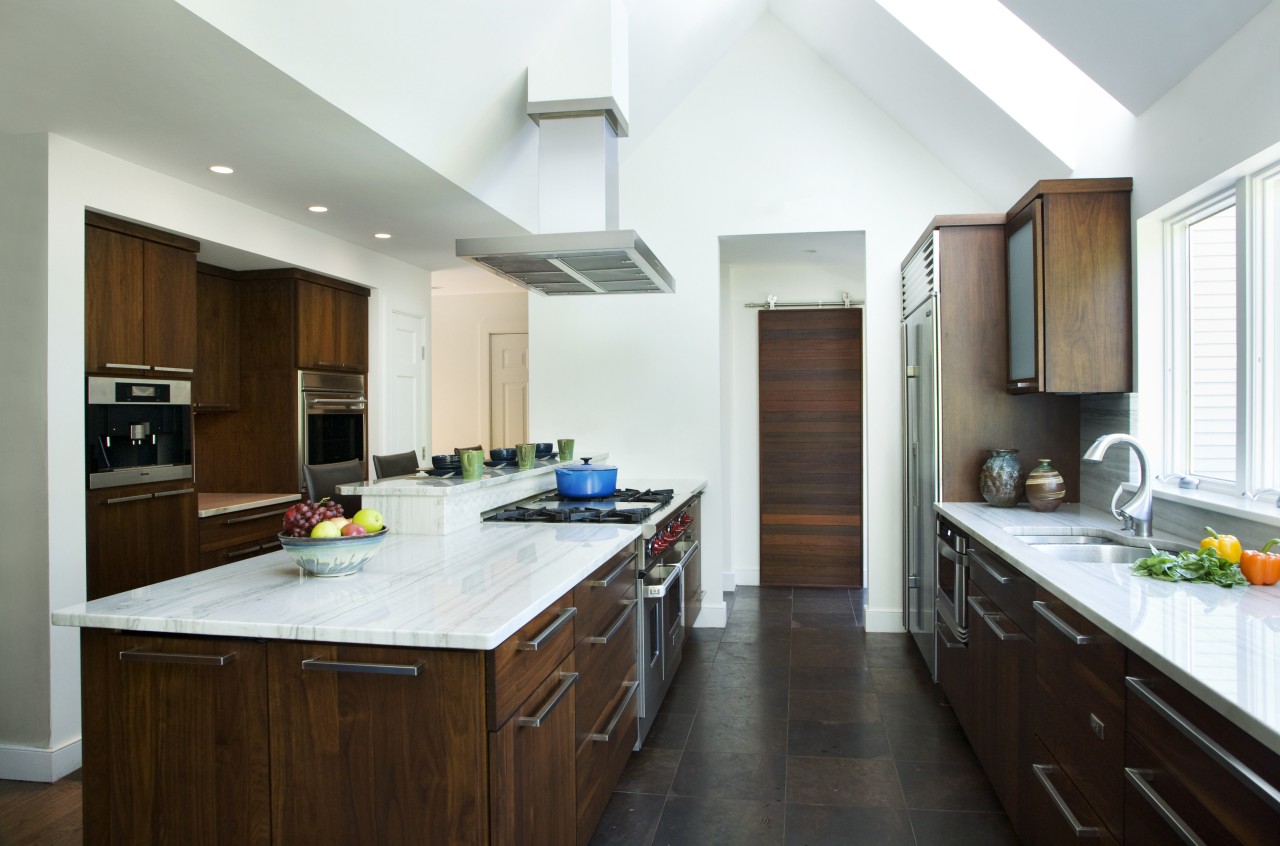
(174, 369)
(175, 493)
(567, 680)
(1042, 608)
(534, 645)
(991, 571)
(128, 366)
(359, 667)
(992, 621)
(607, 735)
(1259, 785)
(1140, 779)
(142, 656)
(977, 605)
(608, 580)
(688, 554)
(617, 624)
(240, 553)
(120, 499)
(233, 520)
(1042, 772)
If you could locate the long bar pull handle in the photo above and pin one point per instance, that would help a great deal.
(992, 623)
(1042, 772)
(607, 735)
(232, 554)
(359, 667)
(977, 605)
(1042, 608)
(173, 369)
(127, 366)
(944, 633)
(174, 493)
(120, 499)
(567, 680)
(233, 520)
(617, 624)
(145, 657)
(1259, 785)
(607, 580)
(534, 645)
(991, 571)
(1140, 780)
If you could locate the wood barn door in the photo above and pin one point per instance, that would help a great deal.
(811, 447)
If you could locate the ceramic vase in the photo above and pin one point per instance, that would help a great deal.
(1001, 478)
(1045, 488)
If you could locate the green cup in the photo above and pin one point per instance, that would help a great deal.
(472, 463)
(565, 446)
(525, 455)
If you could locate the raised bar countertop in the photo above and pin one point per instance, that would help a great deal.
(1222, 644)
(424, 484)
(213, 504)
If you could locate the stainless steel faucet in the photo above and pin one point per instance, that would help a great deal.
(1135, 513)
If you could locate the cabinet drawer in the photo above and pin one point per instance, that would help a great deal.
(1214, 775)
(240, 528)
(1059, 812)
(598, 595)
(603, 666)
(1079, 704)
(602, 757)
(1010, 589)
(523, 661)
(232, 554)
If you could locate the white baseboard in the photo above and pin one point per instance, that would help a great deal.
(712, 616)
(728, 582)
(745, 577)
(884, 620)
(27, 763)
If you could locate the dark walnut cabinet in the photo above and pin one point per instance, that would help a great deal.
(1068, 260)
(236, 535)
(333, 324)
(140, 299)
(216, 383)
(138, 535)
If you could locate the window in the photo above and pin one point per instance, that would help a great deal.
(1221, 358)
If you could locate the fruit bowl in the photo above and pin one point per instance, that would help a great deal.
(332, 556)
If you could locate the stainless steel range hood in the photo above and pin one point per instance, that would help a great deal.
(612, 261)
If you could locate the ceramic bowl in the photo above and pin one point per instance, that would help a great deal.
(503, 454)
(446, 462)
(332, 556)
(543, 450)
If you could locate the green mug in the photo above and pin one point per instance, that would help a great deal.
(472, 463)
(566, 449)
(525, 455)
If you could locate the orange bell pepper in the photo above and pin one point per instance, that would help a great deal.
(1261, 567)
(1228, 546)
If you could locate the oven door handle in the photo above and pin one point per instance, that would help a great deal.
(338, 404)
(685, 559)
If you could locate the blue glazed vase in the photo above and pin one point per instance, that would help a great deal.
(1001, 478)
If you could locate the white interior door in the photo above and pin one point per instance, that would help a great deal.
(508, 389)
(406, 405)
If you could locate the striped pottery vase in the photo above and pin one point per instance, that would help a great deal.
(1045, 488)
(1001, 478)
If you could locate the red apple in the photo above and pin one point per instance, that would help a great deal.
(353, 529)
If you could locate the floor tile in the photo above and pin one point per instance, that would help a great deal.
(829, 825)
(761, 652)
(914, 680)
(650, 770)
(764, 600)
(814, 739)
(946, 786)
(732, 703)
(900, 708)
(704, 633)
(699, 650)
(730, 775)
(819, 593)
(761, 735)
(840, 604)
(630, 819)
(757, 629)
(832, 655)
(683, 698)
(832, 678)
(669, 730)
(700, 821)
(820, 620)
(748, 674)
(693, 673)
(891, 650)
(843, 781)
(925, 742)
(960, 828)
(834, 706)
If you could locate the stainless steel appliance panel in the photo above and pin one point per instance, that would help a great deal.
(922, 471)
(136, 431)
(332, 419)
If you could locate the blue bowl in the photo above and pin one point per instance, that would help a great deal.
(503, 454)
(446, 462)
(543, 450)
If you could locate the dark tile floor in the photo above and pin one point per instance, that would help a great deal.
(793, 725)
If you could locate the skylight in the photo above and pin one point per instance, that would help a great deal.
(1009, 62)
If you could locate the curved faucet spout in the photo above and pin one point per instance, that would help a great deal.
(1137, 510)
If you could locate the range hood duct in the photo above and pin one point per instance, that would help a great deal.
(578, 188)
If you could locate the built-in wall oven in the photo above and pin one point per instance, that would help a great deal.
(136, 431)
(953, 581)
(332, 419)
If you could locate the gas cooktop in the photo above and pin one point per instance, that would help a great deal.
(622, 506)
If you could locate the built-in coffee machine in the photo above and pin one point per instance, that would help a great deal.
(136, 431)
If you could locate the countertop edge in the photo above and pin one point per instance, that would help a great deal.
(250, 500)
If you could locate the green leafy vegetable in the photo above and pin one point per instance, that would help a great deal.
(1204, 566)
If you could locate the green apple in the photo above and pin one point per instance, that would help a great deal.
(325, 529)
(370, 518)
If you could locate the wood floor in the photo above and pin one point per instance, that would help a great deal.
(38, 814)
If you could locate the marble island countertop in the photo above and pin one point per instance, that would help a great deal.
(1222, 644)
(424, 484)
(467, 590)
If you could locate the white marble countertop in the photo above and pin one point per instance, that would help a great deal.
(424, 484)
(1222, 644)
(682, 491)
(467, 590)
(213, 504)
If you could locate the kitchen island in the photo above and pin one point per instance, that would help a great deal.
(474, 687)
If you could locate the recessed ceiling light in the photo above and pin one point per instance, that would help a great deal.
(318, 209)
(381, 235)
(222, 169)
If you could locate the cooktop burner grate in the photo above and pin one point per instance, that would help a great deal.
(581, 514)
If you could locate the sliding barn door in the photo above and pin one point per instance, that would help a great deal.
(811, 447)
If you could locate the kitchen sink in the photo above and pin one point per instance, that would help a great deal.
(1095, 553)
(1094, 546)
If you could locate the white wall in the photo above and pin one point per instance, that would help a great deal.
(460, 328)
(772, 140)
(751, 284)
(39, 731)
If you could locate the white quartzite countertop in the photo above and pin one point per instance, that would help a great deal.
(1222, 644)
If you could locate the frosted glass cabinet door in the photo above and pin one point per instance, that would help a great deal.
(1024, 270)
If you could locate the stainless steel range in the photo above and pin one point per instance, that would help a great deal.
(670, 545)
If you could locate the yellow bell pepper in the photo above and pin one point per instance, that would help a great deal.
(1228, 546)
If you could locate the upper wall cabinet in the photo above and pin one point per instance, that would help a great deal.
(216, 384)
(140, 299)
(333, 327)
(1069, 259)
